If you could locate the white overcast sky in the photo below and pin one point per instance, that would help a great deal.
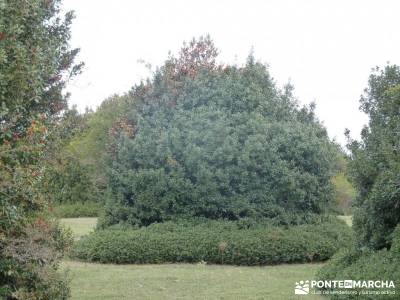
(326, 48)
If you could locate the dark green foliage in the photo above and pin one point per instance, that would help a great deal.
(375, 161)
(345, 193)
(218, 142)
(70, 124)
(78, 209)
(75, 171)
(375, 171)
(35, 64)
(218, 242)
(356, 264)
(69, 181)
(67, 178)
(118, 215)
(89, 145)
(396, 241)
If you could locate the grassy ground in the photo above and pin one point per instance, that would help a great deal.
(187, 281)
(347, 219)
(79, 226)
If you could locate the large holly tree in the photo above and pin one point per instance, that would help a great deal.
(36, 61)
(217, 141)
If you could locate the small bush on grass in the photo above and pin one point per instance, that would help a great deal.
(78, 209)
(363, 264)
(217, 242)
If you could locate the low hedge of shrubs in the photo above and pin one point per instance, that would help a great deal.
(216, 242)
(363, 264)
(78, 209)
(120, 219)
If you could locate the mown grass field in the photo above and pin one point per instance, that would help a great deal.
(181, 281)
(186, 281)
(79, 226)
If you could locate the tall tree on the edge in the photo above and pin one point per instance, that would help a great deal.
(35, 64)
(375, 161)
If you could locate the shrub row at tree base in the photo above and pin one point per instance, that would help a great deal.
(362, 264)
(216, 242)
(78, 209)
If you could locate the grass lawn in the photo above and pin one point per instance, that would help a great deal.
(347, 219)
(187, 281)
(79, 226)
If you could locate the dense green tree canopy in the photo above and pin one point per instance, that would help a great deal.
(204, 140)
(375, 160)
(76, 172)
